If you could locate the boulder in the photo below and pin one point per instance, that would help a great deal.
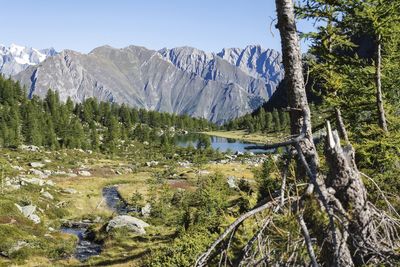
(232, 182)
(84, 173)
(47, 195)
(36, 181)
(16, 247)
(29, 212)
(151, 163)
(69, 191)
(239, 153)
(133, 224)
(30, 148)
(18, 168)
(203, 172)
(38, 173)
(36, 164)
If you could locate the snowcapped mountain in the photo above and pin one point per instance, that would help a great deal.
(16, 58)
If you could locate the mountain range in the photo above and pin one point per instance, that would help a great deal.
(183, 80)
(16, 58)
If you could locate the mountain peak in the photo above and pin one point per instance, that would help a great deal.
(16, 58)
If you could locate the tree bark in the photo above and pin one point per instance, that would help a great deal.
(344, 178)
(378, 84)
(338, 253)
(340, 125)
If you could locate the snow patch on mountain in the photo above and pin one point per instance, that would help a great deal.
(16, 58)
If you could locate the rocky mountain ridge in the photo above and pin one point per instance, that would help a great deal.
(182, 80)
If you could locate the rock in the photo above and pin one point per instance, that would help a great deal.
(49, 182)
(184, 164)
(69, 191)
(151, 163)
(36, 181)
(232, 182)
(134, 224)
(29, 212)
(71, 175)
(30, 148)
(38, 173)
(84, 173)
(238, 153)
(145, 143)
(47, 195)
(203, 172)
(19, 245)
(47, 161)
(18, 168)
(36, 164)
(47, 172)
(146, 210)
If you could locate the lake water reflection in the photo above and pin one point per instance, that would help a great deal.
(218, 143)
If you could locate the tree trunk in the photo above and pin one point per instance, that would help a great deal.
(378, 84)
(340, 125)
(344, 178)
(337, 254)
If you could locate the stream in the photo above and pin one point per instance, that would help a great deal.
(86, 247)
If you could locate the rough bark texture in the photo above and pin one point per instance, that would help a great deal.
(378, 84)
(338, 254)
(340, 125)
(345, 179)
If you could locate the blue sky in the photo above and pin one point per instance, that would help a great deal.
(85, 24)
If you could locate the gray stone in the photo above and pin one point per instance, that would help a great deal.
(47, 195)
(36, 164)
(29, 212)
(38, 173)
(232, 182)
(19, 245)
(69, 191)
(151, 163)
(35, 181)
(30, 148)
(84, 173)
(18, 168)
(134, 224)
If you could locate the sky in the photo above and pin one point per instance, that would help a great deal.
(82, 25)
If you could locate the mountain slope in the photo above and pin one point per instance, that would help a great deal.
(182, 81)
(16, 58)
